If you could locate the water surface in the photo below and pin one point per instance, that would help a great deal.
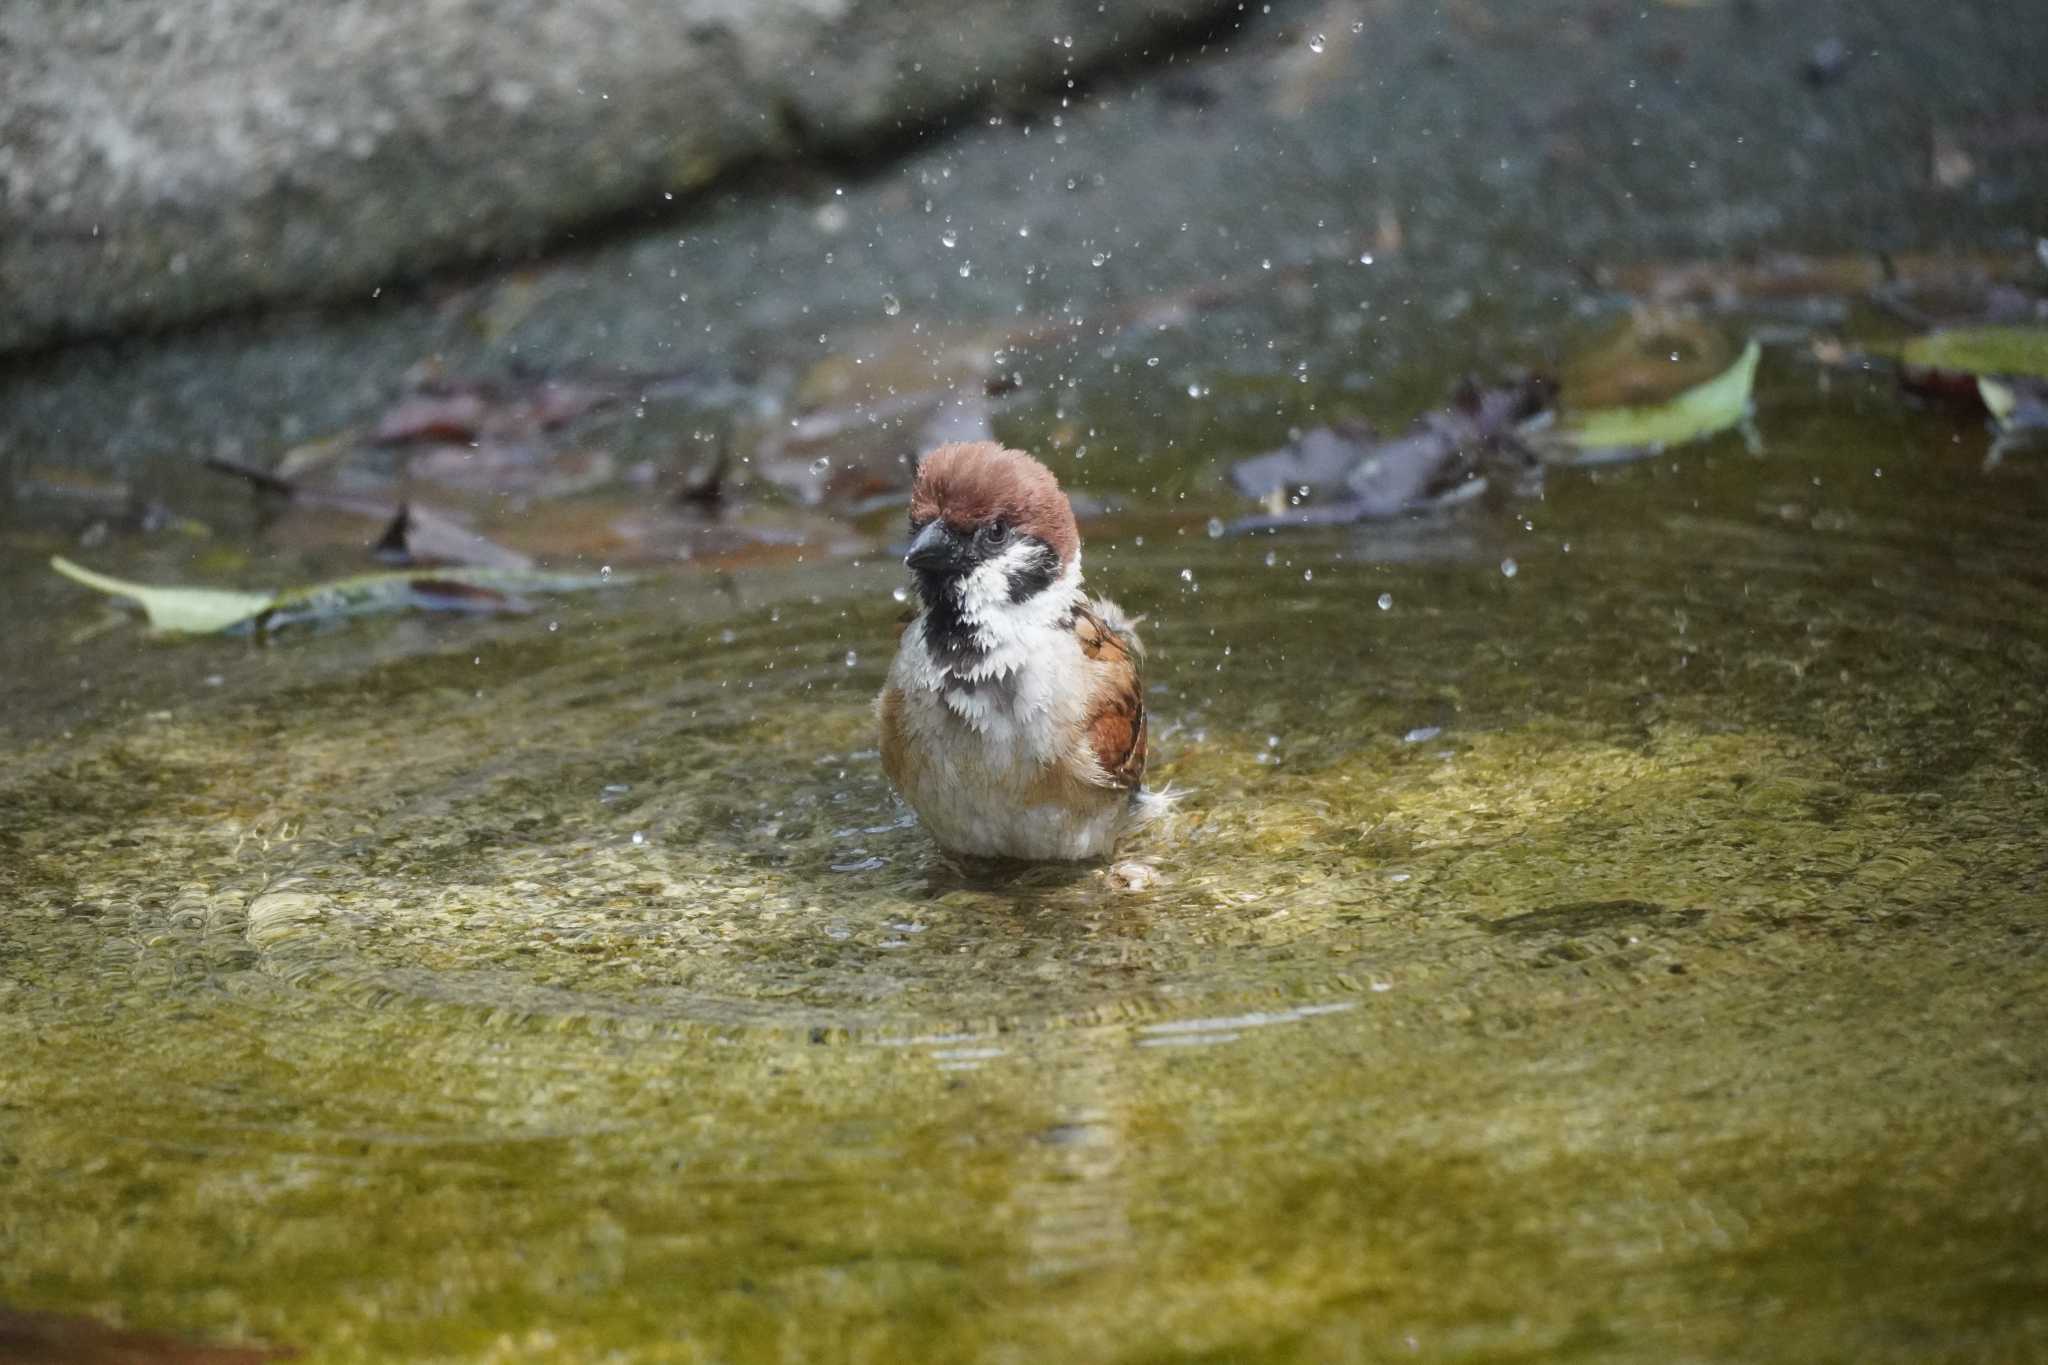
(1600, 927)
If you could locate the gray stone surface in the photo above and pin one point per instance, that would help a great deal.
(1515, 160)
(169, 160)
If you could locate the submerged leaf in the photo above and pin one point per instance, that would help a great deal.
(1701, 411)
(2019, 414)
(204, 611)
(49, 1338)
(194, 611)
(1982, 351)
(449, 588)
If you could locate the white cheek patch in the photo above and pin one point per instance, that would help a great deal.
(985, 593)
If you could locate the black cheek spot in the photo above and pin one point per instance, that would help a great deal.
(1035, 574)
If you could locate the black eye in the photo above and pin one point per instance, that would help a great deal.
(996, 534)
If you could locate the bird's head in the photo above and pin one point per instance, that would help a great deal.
(989, 529)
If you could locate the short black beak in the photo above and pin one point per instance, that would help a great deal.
(937, 551)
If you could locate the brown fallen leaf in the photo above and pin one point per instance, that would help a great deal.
(418, 535)
(312, 457)
(259, 480)
(1729, 283)
(504, 466)
(442, 409)
(1446, 457)
(451, 416)
(413, 535)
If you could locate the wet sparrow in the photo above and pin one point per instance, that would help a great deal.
(1013, 720)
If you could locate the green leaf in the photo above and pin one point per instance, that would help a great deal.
(1999, 400)
(1704, 410)
(1982, 351)
(196, 611)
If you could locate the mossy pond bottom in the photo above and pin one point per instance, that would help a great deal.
(1606, 928)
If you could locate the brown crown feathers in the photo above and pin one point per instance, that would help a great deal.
(970, 483)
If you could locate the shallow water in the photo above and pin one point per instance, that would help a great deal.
(1634, 956)
(1626, 941)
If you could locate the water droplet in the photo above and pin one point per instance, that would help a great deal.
(1272, 741)
(1358, 26)
(1365, 258)
(1197, 391)
(1308, 575)
(966, 269)
(1215, 528)
(852, 658)
(900, 594)
(1317, 43)
(1422, 734)
(949, 239)
(1151, 362)
(1509, 568)
(1187, 575)
(605, 573)
(1097, 259)
(1272, 558)
(821, 465)
(554, 626)
(891, 305)
(638, 837)
(1386, 601)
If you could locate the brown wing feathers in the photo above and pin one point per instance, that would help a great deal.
(1116, 721)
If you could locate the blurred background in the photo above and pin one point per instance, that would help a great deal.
(228, 231)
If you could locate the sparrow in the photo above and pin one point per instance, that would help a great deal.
(1013, 718)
